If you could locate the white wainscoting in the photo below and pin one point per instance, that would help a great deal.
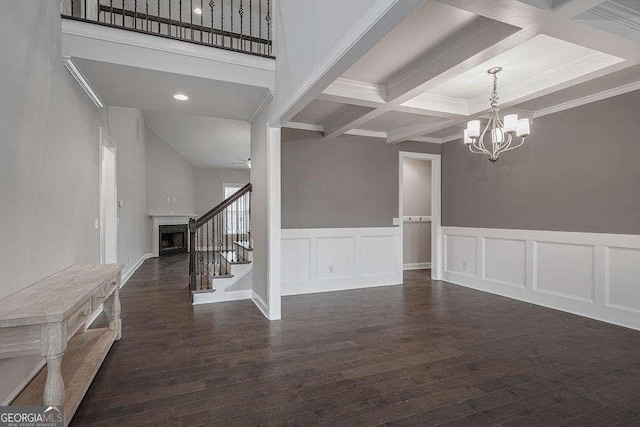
(333, 259)
(590, 274)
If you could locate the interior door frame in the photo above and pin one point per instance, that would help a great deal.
(107, 144)
(436, 209)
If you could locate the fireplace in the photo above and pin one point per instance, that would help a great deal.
(173, 239)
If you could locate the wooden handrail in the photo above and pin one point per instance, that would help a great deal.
(223, 205)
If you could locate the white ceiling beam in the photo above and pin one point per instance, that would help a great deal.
(356, 93)
(573, 8)
(304, 126)
(477, 36)
(349, 118)
(409, 132)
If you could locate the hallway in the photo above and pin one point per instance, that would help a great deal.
(421, 353)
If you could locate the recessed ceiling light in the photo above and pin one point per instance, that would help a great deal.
(180, 97)
(197, 11)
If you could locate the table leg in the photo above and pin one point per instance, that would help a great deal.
(115, 324)
(54, 343)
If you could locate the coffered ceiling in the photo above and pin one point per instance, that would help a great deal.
(428, 76)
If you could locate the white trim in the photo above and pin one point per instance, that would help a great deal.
(105, 143)
(577, 276)
(599, 96)
(304, 126)
(82, 81)
(436, 208)
(416, 266)
(259, 302)
(357, 132)
(264, 104)
(618, 13)
(126, 276)
(161, 44)
(274, 266)
(340, 50)
(220, 296)
(335, 259)
(367, 133)
(363, 93)
(445, 104)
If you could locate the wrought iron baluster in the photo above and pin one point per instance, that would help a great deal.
(135, 14)
(201, 18)
(231, 37)
(146, 24)
(261, 45)
(169, 21)
(268, 18)
(123, 21)
(158, 16)
(191, 15)
(222, 21)
(180, 20)
(211, 4)
(111, 12)
(251, 25)
(241, 13)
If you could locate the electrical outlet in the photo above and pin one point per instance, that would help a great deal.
(331, 270)
(464, 266)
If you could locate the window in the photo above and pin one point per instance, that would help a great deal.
(236, 219)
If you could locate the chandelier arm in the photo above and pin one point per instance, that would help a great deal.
(477, 150)
(515, 146)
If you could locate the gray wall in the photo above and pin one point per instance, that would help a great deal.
(209, 185)
(416, 197)
(48, 159)
(126, 130)
(350, 181)
(168, 175)
(578, 172)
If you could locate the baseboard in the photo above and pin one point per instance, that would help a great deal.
(220, 296)
(579, 308)
(126, 276)
(416, 266)
(259, 302)
(343, 284)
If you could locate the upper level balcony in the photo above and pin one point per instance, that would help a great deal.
(236, 25)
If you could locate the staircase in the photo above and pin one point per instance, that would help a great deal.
(221, 251)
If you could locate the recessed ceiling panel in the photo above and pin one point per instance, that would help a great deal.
(533, 66)
(317, 112)
(393, 120)
(420, 31)
(619, 17)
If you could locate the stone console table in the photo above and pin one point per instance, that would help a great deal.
(49, 318)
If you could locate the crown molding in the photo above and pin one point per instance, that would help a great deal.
(609, 93)
(540, 82)
(445, 104)
(355, 92)
(619, 14)
(82, 81)
(303, 126)
(264, 103)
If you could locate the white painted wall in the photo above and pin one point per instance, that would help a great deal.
(333, 259)
(48, 159)
(127, 131)
(168, 175)
(209, 185)
(590, 274)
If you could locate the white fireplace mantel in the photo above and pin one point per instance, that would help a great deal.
(166, 219)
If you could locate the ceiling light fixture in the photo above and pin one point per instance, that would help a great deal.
(501, 133)
(197, 11)
(180, 97)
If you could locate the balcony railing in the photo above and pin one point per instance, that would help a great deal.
(238, 25)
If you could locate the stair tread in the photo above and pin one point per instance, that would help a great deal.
(230, 256)
(244, 244)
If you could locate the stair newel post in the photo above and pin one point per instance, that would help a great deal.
(192, 254)
(249, 219)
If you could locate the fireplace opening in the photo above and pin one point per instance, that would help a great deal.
(173, 239)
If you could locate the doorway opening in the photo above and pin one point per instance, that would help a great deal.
(108, 202)
(419, 212)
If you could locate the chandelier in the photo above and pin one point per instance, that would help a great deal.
(500, 135)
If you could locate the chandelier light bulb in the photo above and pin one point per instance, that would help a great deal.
(497, 136)
(510, 123)
(523, 128)
(473, 128)
(467, 138)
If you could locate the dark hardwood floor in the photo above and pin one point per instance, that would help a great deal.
(419, 354)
